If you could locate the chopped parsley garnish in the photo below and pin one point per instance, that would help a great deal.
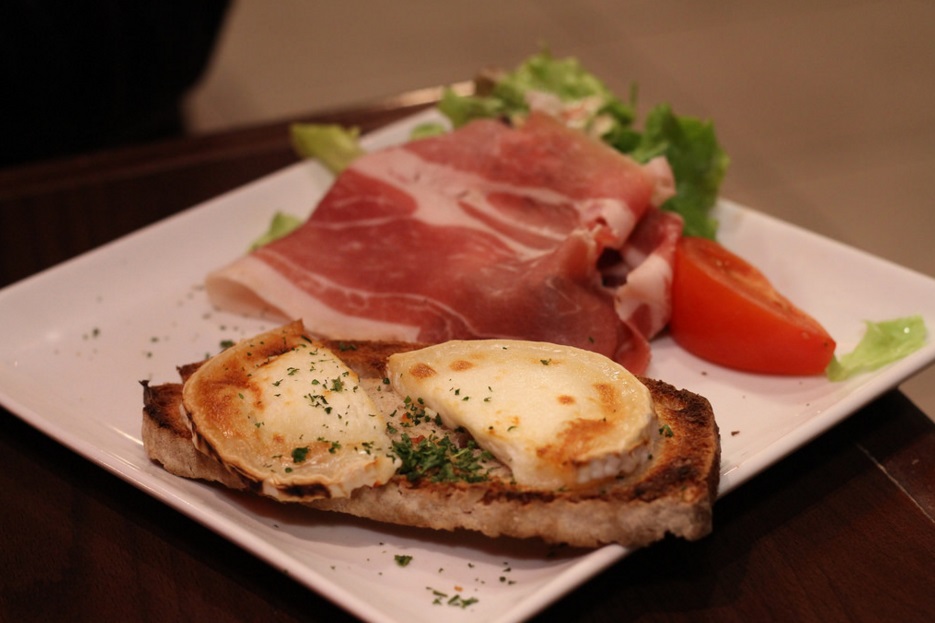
(455, 600)
(318, 401)
(416, 413)
(299, 454)
(461, 602)
(439, 459)
(335, 445)
(402, 560)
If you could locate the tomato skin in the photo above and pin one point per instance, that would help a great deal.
(724, 310)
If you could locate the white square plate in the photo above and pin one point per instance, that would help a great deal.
(79, 337)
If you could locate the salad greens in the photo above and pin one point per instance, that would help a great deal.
(883, 343)
(566, 90)
(698, 164)
(280, 225)
(334, 145)
(560, 86)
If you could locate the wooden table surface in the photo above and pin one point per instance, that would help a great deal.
(841, 530)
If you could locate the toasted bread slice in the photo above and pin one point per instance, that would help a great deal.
(672, 494)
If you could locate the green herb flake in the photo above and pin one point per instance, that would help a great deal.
(461, 602)
(402, 560)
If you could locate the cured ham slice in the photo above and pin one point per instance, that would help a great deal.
(537, 232)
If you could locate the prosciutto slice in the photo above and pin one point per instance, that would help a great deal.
(537, 232)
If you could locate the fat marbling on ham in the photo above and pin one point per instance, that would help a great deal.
(537, 232)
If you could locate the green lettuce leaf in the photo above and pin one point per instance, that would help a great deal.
(883, 343)
(460, 109)
(697, 160)
(425, 130)
(333, 145)
(280, 225)
(598, 109)
(542, 72)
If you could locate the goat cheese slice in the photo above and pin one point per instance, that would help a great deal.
(289, 417)
(557, 416)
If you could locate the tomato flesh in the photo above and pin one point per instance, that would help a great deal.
(724, 310)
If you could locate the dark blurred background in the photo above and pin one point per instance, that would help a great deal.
(85, 75)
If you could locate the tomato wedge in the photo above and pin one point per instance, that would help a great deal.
(726, 311)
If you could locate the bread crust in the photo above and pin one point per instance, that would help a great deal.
(673, 494)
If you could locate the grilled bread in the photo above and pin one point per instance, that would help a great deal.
(415, 466)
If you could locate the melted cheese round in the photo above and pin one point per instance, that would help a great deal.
(285, 412)
(558, 416)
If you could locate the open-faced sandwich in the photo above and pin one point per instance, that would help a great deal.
(505, 437)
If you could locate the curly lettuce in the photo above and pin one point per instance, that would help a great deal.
(698, 165)
(333, 145)
(883, 343)
(561, 87)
